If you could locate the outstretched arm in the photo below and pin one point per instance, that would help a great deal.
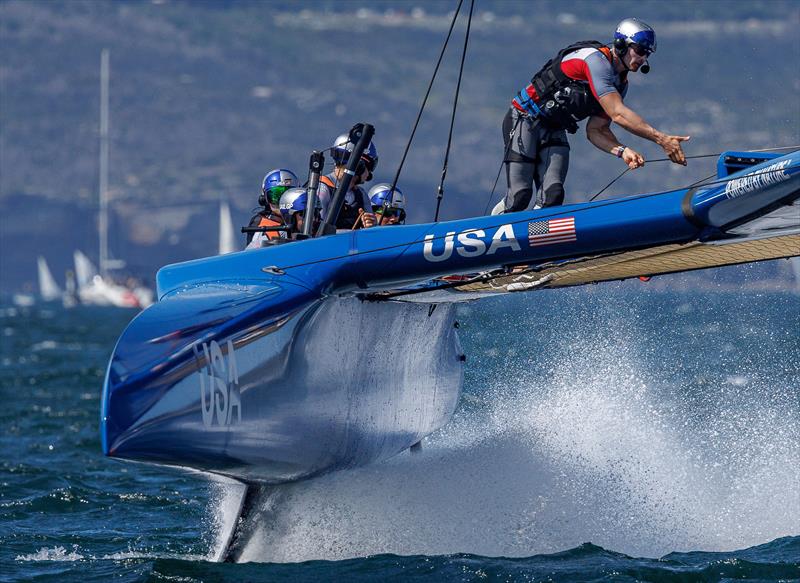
(598, 132)
(630, 120)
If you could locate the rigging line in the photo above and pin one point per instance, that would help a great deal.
(440, 190)
(620, 175)
(503, 161)
(425, 99)
(557, 212)
(702, 180)
(688, 158)
(797, 146)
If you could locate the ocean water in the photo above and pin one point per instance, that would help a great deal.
(613, 433)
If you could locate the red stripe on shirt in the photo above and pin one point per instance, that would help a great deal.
(576, 68)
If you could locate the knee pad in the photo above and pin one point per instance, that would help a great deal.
(554, 195)
(518, 200)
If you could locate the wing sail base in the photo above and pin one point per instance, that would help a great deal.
(644, 262)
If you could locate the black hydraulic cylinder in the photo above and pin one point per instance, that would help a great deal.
(315, 166)
(361, 136)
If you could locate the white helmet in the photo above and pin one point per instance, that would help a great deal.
(342, 146)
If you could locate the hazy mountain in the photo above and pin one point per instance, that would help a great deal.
(208, 96)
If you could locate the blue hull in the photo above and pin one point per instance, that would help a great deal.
(270, 366)
(301, 391)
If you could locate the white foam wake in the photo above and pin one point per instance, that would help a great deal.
(596, 452)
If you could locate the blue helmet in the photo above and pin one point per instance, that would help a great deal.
(342, 147)
(275, 183)
(633, 31)
(379, 194)
(387, 203)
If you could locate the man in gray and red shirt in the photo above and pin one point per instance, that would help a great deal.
(584, 80)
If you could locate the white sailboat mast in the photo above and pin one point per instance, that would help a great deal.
(102, 223)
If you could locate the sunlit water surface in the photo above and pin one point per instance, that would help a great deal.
(596, 426)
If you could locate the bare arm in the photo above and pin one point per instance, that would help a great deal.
(598, 132)
(630, 120)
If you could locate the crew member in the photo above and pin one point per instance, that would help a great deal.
(275, 183)
(584, 80)
(389, 207)
(356, 211)
(293, 207)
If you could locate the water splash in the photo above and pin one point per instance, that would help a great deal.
(57, 553)
(610, 446)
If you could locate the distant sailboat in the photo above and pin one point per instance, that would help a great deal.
(96, 287)
(227, 238)
(95, 290)
(84, 270)
(48, 288)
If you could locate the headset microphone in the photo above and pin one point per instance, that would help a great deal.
(645, 69)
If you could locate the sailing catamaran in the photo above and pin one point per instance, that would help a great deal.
(339, 350)
(284, 363)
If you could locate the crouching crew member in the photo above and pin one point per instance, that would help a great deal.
(275, 183)
(584, 80)
(389, 207)
(356, 211)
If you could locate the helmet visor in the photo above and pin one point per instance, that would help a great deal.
(274, 194)
(645, 38)
(640, 50)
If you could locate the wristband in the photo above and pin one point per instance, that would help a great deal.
(619, 150)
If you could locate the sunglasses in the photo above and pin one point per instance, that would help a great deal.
(641, 51)
(389, 212)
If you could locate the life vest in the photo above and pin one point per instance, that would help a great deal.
(562, 101)
(349, 213)
(269, 220)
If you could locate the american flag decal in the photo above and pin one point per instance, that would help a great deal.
(551, 232)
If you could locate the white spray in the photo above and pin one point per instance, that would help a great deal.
(594, 452)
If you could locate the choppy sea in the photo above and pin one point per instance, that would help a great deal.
(615, 433)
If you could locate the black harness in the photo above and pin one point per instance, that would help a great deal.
(563, 101)
(349, 213)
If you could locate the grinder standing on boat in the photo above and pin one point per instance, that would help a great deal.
(585, 80)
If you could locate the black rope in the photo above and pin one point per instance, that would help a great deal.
(440, 190)
(620, 175)
(425, 99)
(702, 180)
(502, 162)
(688, 158)
(720, 153)
(556, 212)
